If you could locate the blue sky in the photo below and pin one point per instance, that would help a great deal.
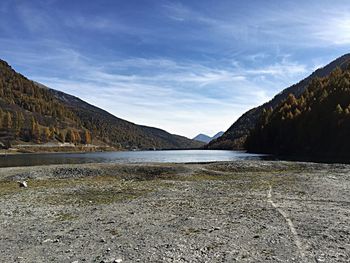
(187, 67)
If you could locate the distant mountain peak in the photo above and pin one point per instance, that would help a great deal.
(219, 134)
(202, 138)
(205, 138)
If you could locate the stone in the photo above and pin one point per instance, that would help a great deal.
(22, 184)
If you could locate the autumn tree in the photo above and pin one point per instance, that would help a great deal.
(45, 134)
(86, 137)
(70, 136)
(35, 130)
(7, 120)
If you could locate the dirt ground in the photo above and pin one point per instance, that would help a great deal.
(244, 211)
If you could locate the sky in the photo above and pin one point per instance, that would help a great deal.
(187, 67)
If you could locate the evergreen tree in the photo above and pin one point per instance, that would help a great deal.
(7, 120)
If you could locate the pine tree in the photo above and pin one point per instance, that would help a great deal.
(35, 130)
(1, 118)
(86, 137)
(45, 134)
(7, 120)
(70, 137)
(339, 109)
(61, 137)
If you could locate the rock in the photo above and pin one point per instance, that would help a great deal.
(22, 184)
(119, 260)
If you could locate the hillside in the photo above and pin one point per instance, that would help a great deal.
(235, 136)
(31, 112)
(315, 124)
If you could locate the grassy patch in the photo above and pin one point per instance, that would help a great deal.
(82, 191)
(196, 177)
(96, 190)
(191, 231)
(66, 217)
(8, 187)
(114, 232)
(93, 196)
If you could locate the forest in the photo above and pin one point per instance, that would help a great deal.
(316, 123)
(31, 112)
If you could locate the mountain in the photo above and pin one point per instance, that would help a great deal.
(219, 134)
(205, 138)
(236, 135)
(202, 138)
(317, 124)
(31, 112)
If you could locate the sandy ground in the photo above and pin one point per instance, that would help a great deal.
(246, 211)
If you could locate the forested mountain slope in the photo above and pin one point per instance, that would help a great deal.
(235, 136)
(31, 112)
(315, 124)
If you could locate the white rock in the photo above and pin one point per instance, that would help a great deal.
(22, 184)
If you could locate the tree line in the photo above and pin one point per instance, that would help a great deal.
(316, 123)
(32, 114)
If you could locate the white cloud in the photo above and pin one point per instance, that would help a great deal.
(182, 97)
(203, 93)
(335, 30)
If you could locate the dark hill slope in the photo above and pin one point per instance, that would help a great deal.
(32, 112)
(316, 124)
(235, 136)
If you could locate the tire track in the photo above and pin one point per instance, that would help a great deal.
(290, 224)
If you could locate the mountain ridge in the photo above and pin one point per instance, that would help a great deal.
(205, 138)
(33, 112)
(235, 136)
(316, 124)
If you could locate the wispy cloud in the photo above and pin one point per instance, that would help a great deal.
(336, 30)
(177, 65)
(179, 12)
(162, 92)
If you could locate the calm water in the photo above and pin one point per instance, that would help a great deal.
(185, 156)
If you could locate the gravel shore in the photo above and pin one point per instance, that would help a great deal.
(244, 211)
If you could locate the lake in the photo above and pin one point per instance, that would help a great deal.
(178, 156)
